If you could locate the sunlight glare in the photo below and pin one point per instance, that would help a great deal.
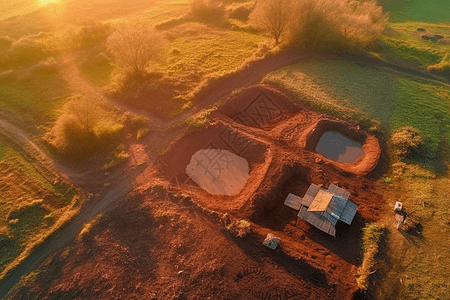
(45, 2)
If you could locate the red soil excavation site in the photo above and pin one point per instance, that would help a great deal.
(172, 243)
(278, 138)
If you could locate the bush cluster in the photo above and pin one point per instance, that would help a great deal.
(30, 48)
(83, 127)
(34, 48)
(88, 35)
(207, 10)
(324, 25)
(241, 12)
(406, 140)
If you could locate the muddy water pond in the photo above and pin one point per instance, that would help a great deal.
(338, 147)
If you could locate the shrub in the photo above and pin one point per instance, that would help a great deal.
(141, 133)
(337, 25)
(83, 127)
(241, 12)
(118, 157)
(406, 140)
(207, 10)
(241, 227)
(93, 32)
(27, 49)
(32, 48)
(135, 122)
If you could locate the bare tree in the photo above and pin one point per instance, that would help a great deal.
(134, 45)
(272, 16)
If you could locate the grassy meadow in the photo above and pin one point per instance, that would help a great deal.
(404, 43)
(435, 11)
(415, 267)
(31, 207)
(35, 95)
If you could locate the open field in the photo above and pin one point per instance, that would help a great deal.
(415, 266)
(59, 14)
(418, 10)
(31, 207)
(403, 42)
(35, 95)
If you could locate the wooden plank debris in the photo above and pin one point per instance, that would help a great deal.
(293, 201)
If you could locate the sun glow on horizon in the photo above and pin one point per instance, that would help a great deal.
(45, 2)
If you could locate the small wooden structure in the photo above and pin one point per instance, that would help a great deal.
(323, 208)
(400, 214)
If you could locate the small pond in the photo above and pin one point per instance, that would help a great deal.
(339, 148)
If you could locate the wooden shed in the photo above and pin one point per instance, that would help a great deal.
(323, 208)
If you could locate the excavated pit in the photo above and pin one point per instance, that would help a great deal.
(338, 147)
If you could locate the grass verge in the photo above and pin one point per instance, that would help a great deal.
(372, 233)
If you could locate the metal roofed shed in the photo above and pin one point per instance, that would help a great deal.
(323, 208)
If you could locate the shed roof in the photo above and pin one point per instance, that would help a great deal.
(326, 207)
(321, 201)
(317, 219)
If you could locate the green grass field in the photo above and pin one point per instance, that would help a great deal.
(418, 10)
(31, 207)
(36, 96)
(198, 52)
(417, 265)
(395, 101)
(404, 42)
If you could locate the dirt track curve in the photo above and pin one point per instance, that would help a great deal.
(163, 135)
